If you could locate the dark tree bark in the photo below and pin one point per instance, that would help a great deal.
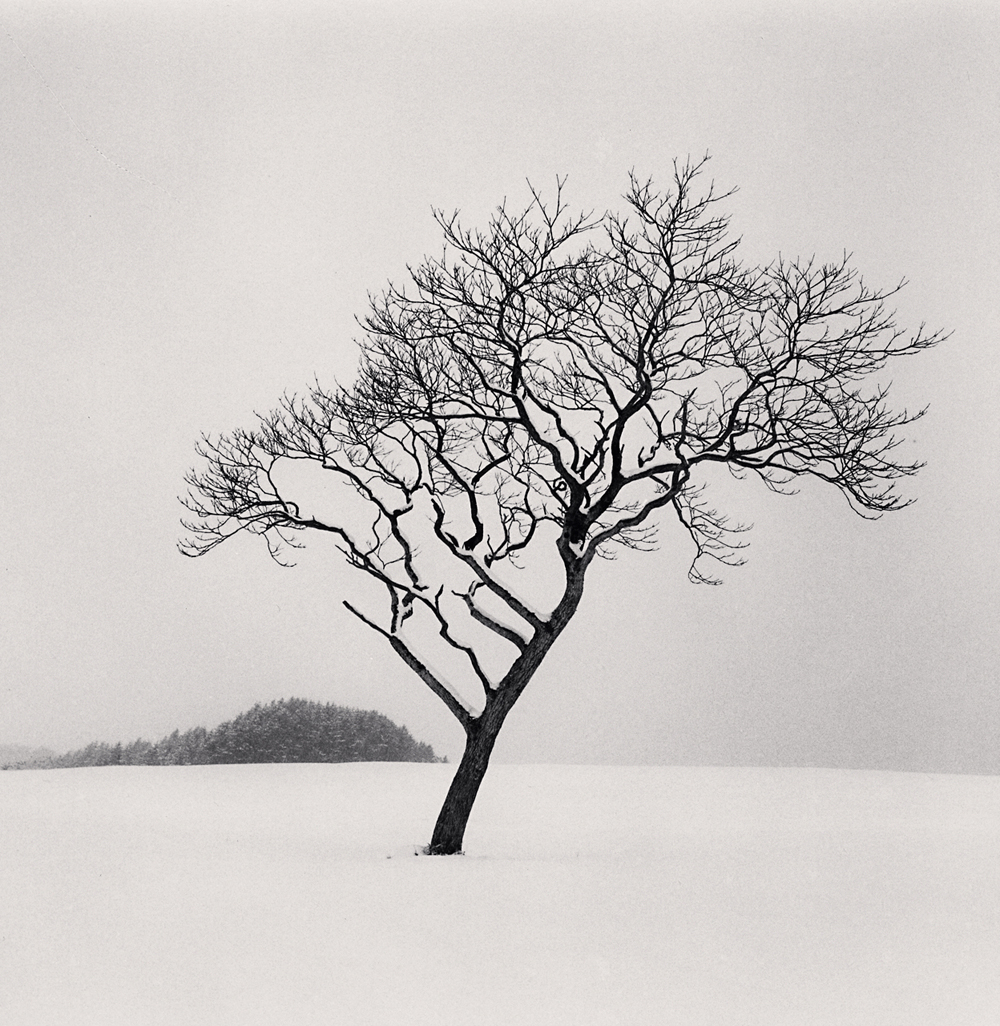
(482, 732)
(449, 830)
(555, 382)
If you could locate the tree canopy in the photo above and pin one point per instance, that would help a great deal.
(562, 382)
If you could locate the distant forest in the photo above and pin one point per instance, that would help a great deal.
(290, 730)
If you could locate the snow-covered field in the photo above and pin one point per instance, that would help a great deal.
(588, 895)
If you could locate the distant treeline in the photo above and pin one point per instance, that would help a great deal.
(290, 730)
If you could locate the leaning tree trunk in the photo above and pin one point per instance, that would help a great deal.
(449, 831)
(480, 737)
(481, 733)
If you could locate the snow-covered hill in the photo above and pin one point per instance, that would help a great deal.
(588, 895)
(12, 754)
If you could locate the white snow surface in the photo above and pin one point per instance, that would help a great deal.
(587, 895)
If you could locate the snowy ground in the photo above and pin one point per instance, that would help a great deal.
(588, 895)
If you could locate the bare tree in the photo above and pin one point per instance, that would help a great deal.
(544, 389)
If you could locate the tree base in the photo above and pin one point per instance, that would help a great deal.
(441, 849)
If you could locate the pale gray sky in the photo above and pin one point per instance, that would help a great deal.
(196, 199)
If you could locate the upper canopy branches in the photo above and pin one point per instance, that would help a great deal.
(575, 370)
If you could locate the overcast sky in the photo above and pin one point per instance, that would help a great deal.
(197, 198)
